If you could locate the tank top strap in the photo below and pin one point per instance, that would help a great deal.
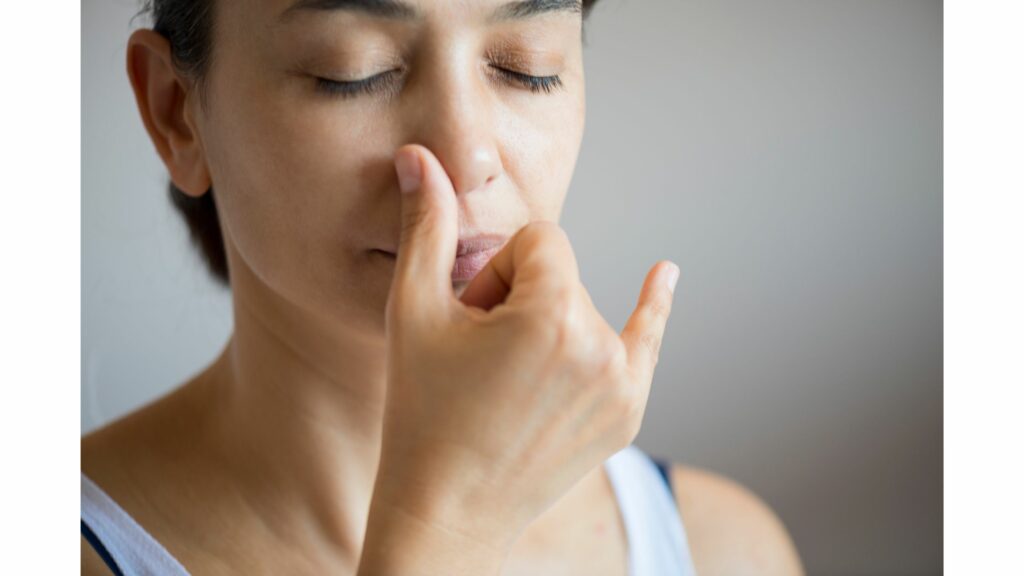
(100, 549)
(654, 527)
(125, 547)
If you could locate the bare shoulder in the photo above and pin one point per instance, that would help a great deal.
(730, 530)
(124, 456)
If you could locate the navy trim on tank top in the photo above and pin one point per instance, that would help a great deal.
(663, 469)
(93, 541)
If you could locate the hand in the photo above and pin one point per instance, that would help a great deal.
(500, 401)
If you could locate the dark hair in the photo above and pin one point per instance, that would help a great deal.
(187, 25)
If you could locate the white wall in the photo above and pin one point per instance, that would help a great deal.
(787, 154)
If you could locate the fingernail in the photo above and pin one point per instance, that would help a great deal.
(671, 277)
(407, 165)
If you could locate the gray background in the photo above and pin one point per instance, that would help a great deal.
(786, 154)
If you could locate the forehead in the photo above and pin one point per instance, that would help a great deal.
(492, 11)
(257, 30)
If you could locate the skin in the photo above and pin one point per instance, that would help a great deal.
(267, 461)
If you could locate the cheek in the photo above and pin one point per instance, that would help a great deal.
(541, 148)
(299, 190)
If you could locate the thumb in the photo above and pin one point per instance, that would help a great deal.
(426, 251)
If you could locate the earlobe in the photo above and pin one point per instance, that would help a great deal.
(163, 97)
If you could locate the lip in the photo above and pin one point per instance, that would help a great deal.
(479, 243)
(472, 253)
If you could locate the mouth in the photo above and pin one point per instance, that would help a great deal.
(471, 254)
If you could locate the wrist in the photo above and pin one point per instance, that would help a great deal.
(404, 540)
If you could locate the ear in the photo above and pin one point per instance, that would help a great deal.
(165, 100)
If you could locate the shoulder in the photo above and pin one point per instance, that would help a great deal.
(730, 530)
(98, 463)
(135, 460)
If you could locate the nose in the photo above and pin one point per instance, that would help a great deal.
(454, 117)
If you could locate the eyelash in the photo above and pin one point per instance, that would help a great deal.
(349, 89)
(544, 84)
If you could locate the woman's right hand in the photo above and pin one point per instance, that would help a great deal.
(501, 400)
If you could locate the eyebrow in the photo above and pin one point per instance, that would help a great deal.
(399, 10)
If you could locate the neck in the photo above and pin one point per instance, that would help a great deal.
(299, 408)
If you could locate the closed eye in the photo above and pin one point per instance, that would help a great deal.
(351, 88)
(387, 80)
(533, 83)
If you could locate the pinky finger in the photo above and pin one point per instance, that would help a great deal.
(645, 328)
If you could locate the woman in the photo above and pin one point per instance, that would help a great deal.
(417, 382)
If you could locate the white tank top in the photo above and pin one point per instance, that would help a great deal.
(654, 530)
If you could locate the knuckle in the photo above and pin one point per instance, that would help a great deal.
(651, 343)
(659, 308)
(565, 317)
(531, 234)
(543, 233)
(562, 304)
(561, 338)
(543, 229)
(550, 316)
(549, 247)
(555, 233)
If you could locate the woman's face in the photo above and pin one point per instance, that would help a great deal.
(303, 169)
